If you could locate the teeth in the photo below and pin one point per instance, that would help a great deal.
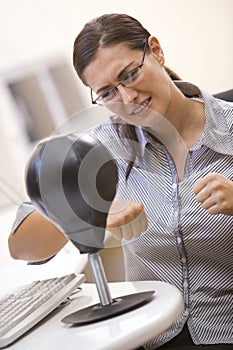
(140, 108)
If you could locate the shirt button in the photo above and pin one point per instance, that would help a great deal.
(183, 260)
(176, 214)
(186, 313)
(185, 284)
(174, 185)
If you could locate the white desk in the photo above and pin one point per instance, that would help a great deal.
(124, 332)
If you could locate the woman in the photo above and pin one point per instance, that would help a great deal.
(174, 145)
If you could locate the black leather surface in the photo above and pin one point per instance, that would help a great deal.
(72, 180)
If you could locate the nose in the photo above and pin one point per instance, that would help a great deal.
(128, 94)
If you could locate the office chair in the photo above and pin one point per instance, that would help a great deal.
(225, 95)
(72, 180)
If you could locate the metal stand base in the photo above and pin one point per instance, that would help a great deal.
(98, 312)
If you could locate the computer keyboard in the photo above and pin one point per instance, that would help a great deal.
(25, 306)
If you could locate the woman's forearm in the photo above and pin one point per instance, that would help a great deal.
(35, 239)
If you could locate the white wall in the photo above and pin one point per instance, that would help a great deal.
(196, 36)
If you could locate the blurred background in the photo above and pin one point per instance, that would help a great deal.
(39, 89)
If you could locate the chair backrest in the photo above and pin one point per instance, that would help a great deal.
(225, 95)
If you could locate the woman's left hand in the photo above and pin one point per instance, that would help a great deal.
(215, 193)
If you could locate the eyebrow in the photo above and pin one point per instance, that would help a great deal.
(119, 77)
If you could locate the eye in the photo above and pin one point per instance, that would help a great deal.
(108, 95)
(131, 76)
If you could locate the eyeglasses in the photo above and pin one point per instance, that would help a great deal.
(129, 80)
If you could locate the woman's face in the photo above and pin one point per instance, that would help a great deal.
(144, 100)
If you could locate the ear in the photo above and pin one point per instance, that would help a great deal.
(156, 49)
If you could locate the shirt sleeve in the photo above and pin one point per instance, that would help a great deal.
(24, 209)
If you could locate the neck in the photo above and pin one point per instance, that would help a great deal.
(187, 116)
(181, 128)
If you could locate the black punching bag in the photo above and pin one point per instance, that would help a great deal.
(72, 180)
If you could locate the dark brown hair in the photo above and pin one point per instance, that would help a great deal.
(106, 31)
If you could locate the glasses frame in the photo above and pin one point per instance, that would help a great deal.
(95, 102)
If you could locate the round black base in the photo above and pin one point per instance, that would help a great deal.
(97, 312)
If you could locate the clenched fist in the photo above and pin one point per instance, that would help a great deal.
(126, 219)
(215, 193)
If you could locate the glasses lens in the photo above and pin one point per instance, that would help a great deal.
(132, 77)
(106, 97)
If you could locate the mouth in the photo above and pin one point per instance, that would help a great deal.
(141, 108)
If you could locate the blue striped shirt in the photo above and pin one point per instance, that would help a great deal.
(183, 245)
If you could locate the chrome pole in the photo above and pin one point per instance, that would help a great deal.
(100, 278)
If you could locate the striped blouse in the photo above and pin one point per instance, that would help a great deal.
(183, 245)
